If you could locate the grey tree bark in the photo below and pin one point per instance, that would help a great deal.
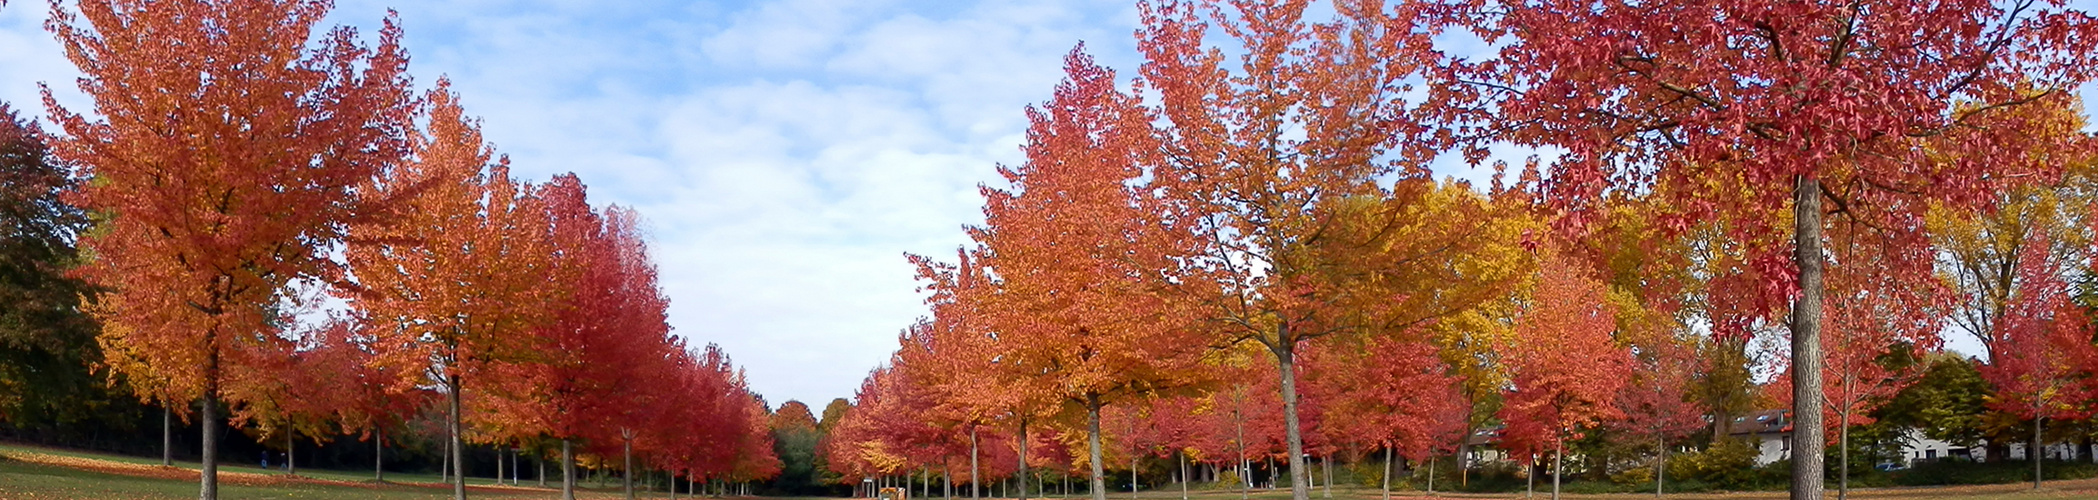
(1286, 354)
(975, 491)
(167, 436)
(208, 477)
(454, 424)
(1092, 441)
(1807, 471)
(567, 469)
(1387, 473)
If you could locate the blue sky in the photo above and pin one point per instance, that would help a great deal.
(785, 154)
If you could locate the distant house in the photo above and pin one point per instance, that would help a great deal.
(1770, 430)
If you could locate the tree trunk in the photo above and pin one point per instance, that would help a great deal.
(1843, 457)
(1431, 474)
(1806, 342)
(499, 458)
(167, 436)
(458, 445)
(291, 443)
(567, 469)
(1661, 468)
(1326, 465)
(1558, 465)
(1183, 474)
(1530, 477)
(379, 455)
(1092, 441)
(1286, 356)
(1387, 473)
(2033, 453)
(1132, 476)
(540, 460)
(208, 476)
(1464, 444)
(626, 472)
(1245, 468)
(1023, 459)
(975, 491)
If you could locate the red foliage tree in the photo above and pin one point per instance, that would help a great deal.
(1737, 109)
(2042, 362)
(224, 146)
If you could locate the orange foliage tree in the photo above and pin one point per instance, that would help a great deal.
(1079, 258)
(452, 278)
(225, 182)
(1566, 368)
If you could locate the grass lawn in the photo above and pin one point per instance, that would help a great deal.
(37, 473)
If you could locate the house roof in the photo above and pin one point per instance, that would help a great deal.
(1761, 422)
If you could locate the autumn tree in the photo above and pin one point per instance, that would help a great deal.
(452, 278)
(1394, 392)
(1079, 258)
(1566, 368)
(1259, 153)
(223, 149)
(2042, 364)
(1877, 108)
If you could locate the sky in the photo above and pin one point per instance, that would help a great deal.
(785, 154)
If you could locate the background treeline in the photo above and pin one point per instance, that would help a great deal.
(1234, 262)
(261, 238)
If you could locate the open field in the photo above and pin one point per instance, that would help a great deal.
(36, 473)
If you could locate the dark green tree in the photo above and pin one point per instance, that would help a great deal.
(1947, 404)
(46, 341)
(794, 438)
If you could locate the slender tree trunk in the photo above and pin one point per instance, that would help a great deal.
(1806, 342)
(1092, 441)
(2033, 453)
(626, 473)
(379, 455)
(1558, 465)
(1464, 444)
(1245, 468)
(499, 453)
(291, 443)
(567, 469)
(1132, 476)
(1387, 473)
(1183, 473)
(458, 444)
(1023, 459)
(1661, 469)
(1286, 355)
(1530, 477)
(208, 477)
(1431, 474)
(975, 491)
(167, 436)
(1843, 457)
(1326, 465)
(540, 459)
